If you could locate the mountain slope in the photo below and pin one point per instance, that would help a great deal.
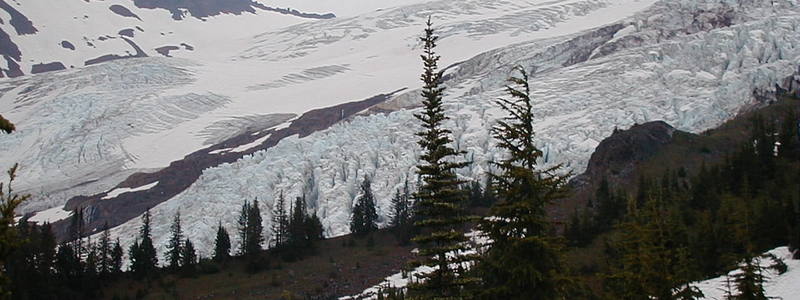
(599, 64)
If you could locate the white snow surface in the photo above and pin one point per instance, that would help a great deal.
(50, 215)
(599, 64)
(83, 131)
(118, 191)
(784, 286)
(478, 241)
(781, 286)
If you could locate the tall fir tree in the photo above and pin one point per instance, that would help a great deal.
(653, 260)
(788, 137)
(175, 244)
(67, 264)
(524, 260)
(90, 268)
(116, 258)
(365, 216)
(242, 223)
(255, 228)
(304, 231)
(144, 261)
(749, 282)
(401, 221)
(439, 200)
(9, 201)
(104, 249)
(400, 207)
(222, 244)
(280, 222)
(76, 230)
(188, 255)
(297, 235)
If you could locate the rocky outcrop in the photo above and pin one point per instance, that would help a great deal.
(207, 8)
(110, 57)
(123, 11)
(618, 155)
(20, 22)
(41, 68)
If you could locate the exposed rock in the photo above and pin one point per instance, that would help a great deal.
(618, 155)
(41, 68)
(123, 11)
(126, 32)
(13, 68)
(7, 47)
(293, 12)
(110, 57)
(20, 22)
(166, 49)
(10, 51)
(67, 45)
(207, 8)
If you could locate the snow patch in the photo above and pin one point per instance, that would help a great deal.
(119, 191)
(50, 215)
(780, 286)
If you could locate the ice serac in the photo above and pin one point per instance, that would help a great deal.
(692, 64)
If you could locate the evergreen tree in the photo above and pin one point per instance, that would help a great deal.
(683, 274)
(314, 230)
(222, 244)
(400, 213)
(67, 264)
(188, 255)
(175, 244)
(365, 216)
(304, 230)
(439, 200)
(104, 249)
(242, 227)
(524, 260)
(46, 257)
(76, 230)
(9, 201)
(255, 230)
(297, 232)
(280, 222)
(653, 262)
(116, 258)
(750, 281)
(133, 256)
(90, 270)
(788, 137)
(144, 261)
(609, 206)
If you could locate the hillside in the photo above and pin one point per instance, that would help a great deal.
(309, 106)
(351, 269)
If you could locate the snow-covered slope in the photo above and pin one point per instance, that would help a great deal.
(599, 64)
(249, 65)
(784, 286)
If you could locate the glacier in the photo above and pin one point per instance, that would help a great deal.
(72, 125)
(693, 64)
